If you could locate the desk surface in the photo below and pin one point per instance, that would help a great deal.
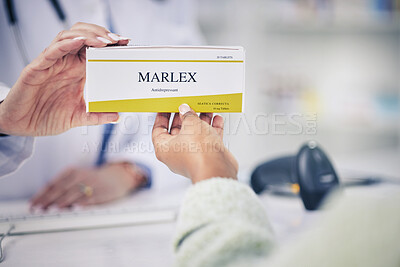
(147, 245)
(144, 245)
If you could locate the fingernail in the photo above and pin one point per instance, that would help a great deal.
(104, 40)
(53, 208)
(124, 38)
(116, 121)
(114, 36)
(36, 209)
(76, 207)
(183, 109)
(80, 38)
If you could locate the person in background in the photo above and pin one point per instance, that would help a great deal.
(223, 223)
(92, 164)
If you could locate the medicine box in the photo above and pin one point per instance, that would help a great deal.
(160, 78)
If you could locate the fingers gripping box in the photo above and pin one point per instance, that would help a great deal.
(160, 78)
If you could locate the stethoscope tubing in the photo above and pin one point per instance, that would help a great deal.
(13, 21)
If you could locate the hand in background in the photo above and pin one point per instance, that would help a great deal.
(83, 187)
(193, 146)
(47, 98)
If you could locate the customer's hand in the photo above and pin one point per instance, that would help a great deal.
(83, 187)
(47, 98)
(193, 146)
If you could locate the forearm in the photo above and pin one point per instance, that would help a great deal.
(4, 90)
(133, 175)
(220, 221)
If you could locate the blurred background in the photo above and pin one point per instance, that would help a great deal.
(325, 70)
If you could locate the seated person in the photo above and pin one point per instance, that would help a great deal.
(222, 222)
(63, 169)
(97, 174)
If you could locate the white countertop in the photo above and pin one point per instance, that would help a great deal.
(151, 245)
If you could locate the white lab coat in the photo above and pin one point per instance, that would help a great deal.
(146, 22)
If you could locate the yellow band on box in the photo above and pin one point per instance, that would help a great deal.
(207, 103)
(164, 61)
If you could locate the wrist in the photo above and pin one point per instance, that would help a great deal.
(3, 126)
(137, 177)
(212, 165)
(8, 126)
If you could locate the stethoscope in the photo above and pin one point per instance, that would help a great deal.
(13, 21)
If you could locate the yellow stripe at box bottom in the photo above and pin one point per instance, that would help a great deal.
(207, 103)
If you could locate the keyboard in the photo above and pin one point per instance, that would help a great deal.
(58, 221)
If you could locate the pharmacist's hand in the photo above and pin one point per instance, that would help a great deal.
(83, 187)
(47, 98)
(193, 146)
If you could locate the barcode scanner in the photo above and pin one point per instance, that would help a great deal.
(309, 173)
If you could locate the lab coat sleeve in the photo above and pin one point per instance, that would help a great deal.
(3, 91)
(221, 223)
(13, 149)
